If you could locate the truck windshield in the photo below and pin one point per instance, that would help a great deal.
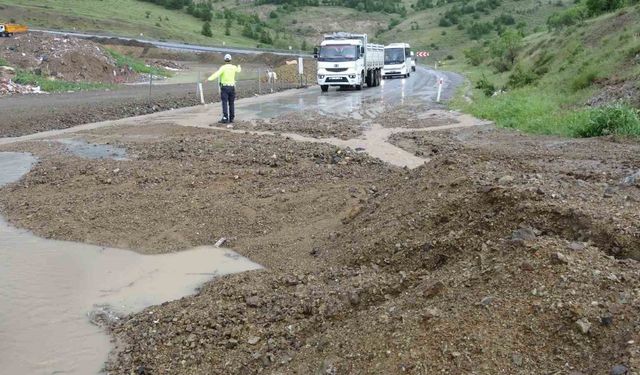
(338, 53)
(393, 55)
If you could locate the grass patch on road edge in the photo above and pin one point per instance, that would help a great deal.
(536, 111)
(51, 85)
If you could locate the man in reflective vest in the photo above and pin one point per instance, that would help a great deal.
(227, 74)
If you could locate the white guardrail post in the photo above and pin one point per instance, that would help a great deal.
(440, 82)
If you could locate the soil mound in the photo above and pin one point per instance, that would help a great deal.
(64, 58)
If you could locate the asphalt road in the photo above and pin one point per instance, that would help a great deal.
(36, 113)
(422, 86)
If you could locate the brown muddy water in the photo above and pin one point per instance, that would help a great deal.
(49, 289)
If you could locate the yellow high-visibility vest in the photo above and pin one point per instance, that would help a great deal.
(227, 74)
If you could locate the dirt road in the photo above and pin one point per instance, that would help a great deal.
(396, 237)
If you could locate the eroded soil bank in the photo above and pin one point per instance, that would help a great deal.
(505, 254)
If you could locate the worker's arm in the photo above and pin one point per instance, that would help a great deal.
(215, 75)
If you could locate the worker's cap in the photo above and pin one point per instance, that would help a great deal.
(227, 57)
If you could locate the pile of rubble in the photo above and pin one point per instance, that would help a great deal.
(9, 87)
(65, 58)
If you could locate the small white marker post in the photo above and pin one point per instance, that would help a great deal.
(201, 92)
(440, 82)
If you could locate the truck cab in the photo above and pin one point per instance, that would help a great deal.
(348, 60)
(8, 29)
(398, 60)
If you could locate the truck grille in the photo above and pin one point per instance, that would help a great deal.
(337, 70)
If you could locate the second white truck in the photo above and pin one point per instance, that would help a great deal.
(398, 60)
(349, 60)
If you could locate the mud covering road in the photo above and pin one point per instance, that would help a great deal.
(502, 254)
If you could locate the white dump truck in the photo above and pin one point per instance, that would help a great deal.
(398, 60)
(346, 59)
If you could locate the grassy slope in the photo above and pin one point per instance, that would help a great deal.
(119, 17)
(602, 48)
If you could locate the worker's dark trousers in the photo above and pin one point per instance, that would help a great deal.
(228, 97)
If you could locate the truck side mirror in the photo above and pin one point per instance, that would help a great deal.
(411, 53)
(315, 52)
(362, 50)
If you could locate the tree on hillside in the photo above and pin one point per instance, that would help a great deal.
(206, 29)
(505, 49)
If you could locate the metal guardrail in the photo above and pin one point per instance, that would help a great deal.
(181, 46)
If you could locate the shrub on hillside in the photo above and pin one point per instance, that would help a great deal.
(504, 19)
(569, 17)
(596, 7)
(487, 87)
(521, 77)
(423, 4)
(444, 22)
(478, 29)
(619, 119)
(475, 56)
(584, 80)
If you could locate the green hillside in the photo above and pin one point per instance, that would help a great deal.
(134, 18)
(576, 80)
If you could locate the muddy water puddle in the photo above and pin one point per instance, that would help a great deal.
(84, 149)
(48, 289)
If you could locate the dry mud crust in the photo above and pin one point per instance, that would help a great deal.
(309, 123)
(494, 258)
(23, 115)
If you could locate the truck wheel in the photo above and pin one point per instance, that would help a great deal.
(324, 88)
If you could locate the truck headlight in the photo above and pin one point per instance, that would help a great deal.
(320, 76)
(352, 76)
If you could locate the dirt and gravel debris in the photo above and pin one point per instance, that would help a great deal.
(238, 186)
(506, 254)
(413, 115)
(627, 91)
(307, 123)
